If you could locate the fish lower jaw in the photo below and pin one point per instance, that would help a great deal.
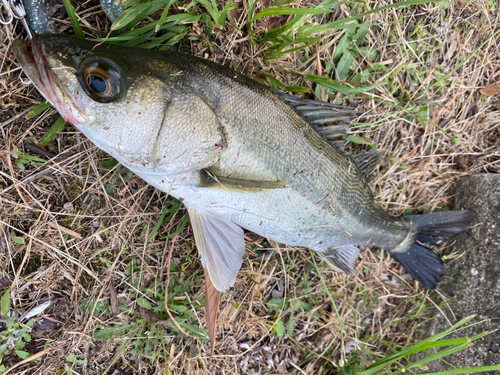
(71, 113)
(35, 65)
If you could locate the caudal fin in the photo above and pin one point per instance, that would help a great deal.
(423, 263)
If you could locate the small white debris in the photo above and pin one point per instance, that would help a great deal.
(35, 311)
(270, 363)
(245, 346)
(68, 207)
(349, 346)
(473, 272)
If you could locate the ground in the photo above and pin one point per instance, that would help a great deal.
(75, 227)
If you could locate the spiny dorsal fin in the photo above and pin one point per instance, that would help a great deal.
(331, 120)
(368, 161)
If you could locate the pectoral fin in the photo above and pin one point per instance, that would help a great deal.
(211, 180)
(221, 246)
(342, 257)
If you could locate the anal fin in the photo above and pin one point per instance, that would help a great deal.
(342, 257)
(221, 245)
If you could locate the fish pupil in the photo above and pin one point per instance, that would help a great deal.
(96, 84)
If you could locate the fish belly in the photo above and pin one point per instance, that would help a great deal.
(283, 215)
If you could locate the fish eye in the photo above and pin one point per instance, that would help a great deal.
(100, 80)
(97, 84)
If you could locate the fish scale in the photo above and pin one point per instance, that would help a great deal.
(235, 152)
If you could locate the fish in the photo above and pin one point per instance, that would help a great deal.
(237, 153)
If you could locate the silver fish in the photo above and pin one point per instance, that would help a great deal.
(235, 152)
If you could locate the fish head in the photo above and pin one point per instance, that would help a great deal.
(109, 93)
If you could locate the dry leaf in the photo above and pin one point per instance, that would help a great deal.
(113, 300)
(451, 50)
(212, 299)
(453, 44)
(64, 230)
(490, 90)
(228, 315)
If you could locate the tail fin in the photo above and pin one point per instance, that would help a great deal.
(423, 263)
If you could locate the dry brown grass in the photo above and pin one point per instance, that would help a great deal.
(80, 242)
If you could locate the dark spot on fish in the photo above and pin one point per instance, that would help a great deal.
(321, 242)
(106, 128)
(220, 144)
(140, 113)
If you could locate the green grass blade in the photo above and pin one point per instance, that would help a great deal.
(173, 40)
(285, 11)
(133, 15)
(74, 19)
(39, 108)
(334, 85)
(138, 40)
(340, 24)
(162, 39)
(5, 303)
(181, 227)
(429, 343)
(251, 10)
(440, 354)
(465, 370)
(163, 16)
(54, 129)
(160, 220)
(276, 55)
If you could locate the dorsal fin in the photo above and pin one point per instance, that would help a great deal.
(331, 120)
(367, 161)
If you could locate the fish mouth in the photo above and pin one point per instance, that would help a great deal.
(34, 64)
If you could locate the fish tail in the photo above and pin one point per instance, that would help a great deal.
(433, 229)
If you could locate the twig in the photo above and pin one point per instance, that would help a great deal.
(38, 150)
(26, 360)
